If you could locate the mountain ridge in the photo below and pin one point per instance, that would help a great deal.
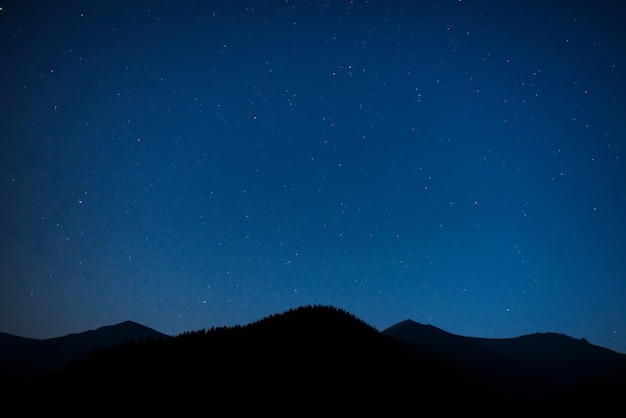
(533, 363)
(290, 353)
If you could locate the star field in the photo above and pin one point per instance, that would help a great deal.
(194, 164)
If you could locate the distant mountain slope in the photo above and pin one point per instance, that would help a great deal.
(25, 358)
(560, 357)
(540, 365)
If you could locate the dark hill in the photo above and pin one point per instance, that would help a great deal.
(312, 359)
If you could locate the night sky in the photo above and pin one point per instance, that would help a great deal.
(190, 164)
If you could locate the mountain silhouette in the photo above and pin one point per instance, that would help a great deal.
(22, 358)
(537, 368)
(321, 359)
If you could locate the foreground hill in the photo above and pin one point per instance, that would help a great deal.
(315, 360)
(310, 359)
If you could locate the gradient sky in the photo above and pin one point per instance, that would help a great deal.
(190, 164)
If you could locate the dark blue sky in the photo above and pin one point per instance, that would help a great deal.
(195, 164)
